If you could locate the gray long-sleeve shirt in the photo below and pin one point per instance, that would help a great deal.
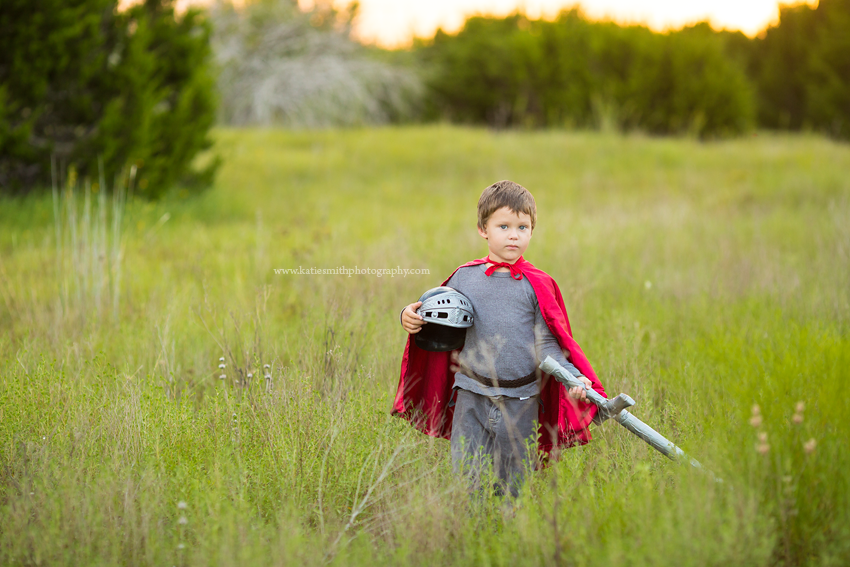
(509, 337)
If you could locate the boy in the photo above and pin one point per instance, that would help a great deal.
(520, 318)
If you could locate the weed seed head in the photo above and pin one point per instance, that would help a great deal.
(181, 505)
(755, 421)
(762, 437)
(763, 448)
(809, 446)
(221, 366)
(800, 407)
(756, 410)
(221, 359)
(797, 418)
(183, 521)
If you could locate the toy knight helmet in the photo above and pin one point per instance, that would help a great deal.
(448, 314)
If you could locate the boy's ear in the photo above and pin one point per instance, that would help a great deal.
(482, 232)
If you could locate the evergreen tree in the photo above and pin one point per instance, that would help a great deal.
(82, 82)
(828, 86)
(783, 68)
(803, 69)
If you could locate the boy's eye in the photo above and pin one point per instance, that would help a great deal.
(503, 226)
(522, 227)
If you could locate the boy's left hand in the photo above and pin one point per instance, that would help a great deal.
(455, 361)
(580, 394)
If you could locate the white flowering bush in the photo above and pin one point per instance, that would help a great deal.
(283, 66)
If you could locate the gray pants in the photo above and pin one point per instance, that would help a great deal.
(500, 432)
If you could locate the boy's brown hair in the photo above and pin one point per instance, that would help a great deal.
(506, 194)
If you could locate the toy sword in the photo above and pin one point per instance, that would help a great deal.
(615, 408)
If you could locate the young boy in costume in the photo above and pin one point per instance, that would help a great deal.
(490, 398)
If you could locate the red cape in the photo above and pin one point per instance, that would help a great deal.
(425, 386)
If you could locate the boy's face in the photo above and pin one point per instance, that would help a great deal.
(507, 234)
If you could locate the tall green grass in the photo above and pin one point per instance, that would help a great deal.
(702, 279)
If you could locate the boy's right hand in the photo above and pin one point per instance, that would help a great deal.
(410, 320)
(580, 394)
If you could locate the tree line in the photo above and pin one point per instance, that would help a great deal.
(572, 71)
(87, 85)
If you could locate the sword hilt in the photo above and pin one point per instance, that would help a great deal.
(608, 408)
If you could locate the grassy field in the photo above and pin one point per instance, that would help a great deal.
(701, 279)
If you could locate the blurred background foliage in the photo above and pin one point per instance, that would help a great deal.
(576, 72)
(802, 69)
(84, 81)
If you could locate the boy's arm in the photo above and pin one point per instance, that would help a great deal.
(545, 344)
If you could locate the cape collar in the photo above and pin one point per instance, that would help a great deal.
(515, 268)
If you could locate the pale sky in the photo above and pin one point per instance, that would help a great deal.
(393, 23)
